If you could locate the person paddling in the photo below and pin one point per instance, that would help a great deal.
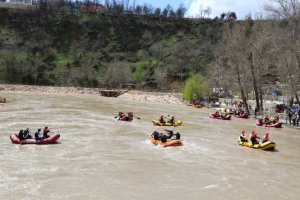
(45, 132)
(161, 119)
(21, 134)
(38, 135)
(266, 138)
(156, 135)
(26, 134)
(172, 120)
(243, 136)
(254, 138)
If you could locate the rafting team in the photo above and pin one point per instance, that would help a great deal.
(38, 135)
(253, 137)
(163, 137)
(123, 117)
(167, 119)
(270, 119)
(223, 115)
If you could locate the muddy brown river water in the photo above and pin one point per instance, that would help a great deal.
(101, 158)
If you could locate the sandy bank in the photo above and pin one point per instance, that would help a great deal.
(142, 96)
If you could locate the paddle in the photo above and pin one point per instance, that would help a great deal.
(137, 117)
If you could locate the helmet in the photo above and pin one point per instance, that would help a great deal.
(243, 131)
(155, 131)
(253, 132)
(267, 133)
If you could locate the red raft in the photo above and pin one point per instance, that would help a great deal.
(214, 116)
(52, 139)
(126, 118)
(260, 122)
(244, 116)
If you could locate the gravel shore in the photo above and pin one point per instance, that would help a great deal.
(132, 95)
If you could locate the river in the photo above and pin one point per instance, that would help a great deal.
(98, 157)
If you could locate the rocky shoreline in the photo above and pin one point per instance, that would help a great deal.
(132, 95)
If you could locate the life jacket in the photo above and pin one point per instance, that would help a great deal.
(253, 136)
(161, 119)
(168, 119)
(266, 137)
(172, 119)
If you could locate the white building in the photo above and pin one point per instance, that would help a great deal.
(29, 2)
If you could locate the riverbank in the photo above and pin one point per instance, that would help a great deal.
(132, 95)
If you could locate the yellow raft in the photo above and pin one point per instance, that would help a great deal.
(168, 143)
(158, 123)
(269, 145)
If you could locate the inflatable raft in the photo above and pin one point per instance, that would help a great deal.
(126, 119)
(158, 123)
(52, 139)
(244, 116)
(269, 145)
(168, 143)
(260, 122)
(196, 105)
(212, 115)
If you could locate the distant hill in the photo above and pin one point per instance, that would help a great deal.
(72, 48)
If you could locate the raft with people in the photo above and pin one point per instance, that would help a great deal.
(158, 123)
(218, 116)
(242, 115)
(228, 111)
(122, 116)
(166, 121)
(261, 122)
(268, 145)
(164, 140)
(50, 140)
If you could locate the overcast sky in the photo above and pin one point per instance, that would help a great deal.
(240, 7)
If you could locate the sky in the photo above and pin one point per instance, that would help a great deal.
(241, 7)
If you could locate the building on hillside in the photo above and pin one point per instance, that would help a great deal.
(29, 2)
(269, 79)
(92, 7)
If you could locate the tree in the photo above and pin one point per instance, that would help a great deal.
(165, 12)
(157, 12)
(195, 87)
(118, 74)
(223, 15)
(231, 55)
(181, 11)
(286, 14)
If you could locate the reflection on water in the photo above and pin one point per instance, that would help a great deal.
(101, 158)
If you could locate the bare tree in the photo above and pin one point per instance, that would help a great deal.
(286, 38)
(231, 54)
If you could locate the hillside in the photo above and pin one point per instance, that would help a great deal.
(64, 48)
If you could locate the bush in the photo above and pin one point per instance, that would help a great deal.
(195, 87)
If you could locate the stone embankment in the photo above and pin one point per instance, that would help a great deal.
(133, 95)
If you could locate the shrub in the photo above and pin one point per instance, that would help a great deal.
(195, 87)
